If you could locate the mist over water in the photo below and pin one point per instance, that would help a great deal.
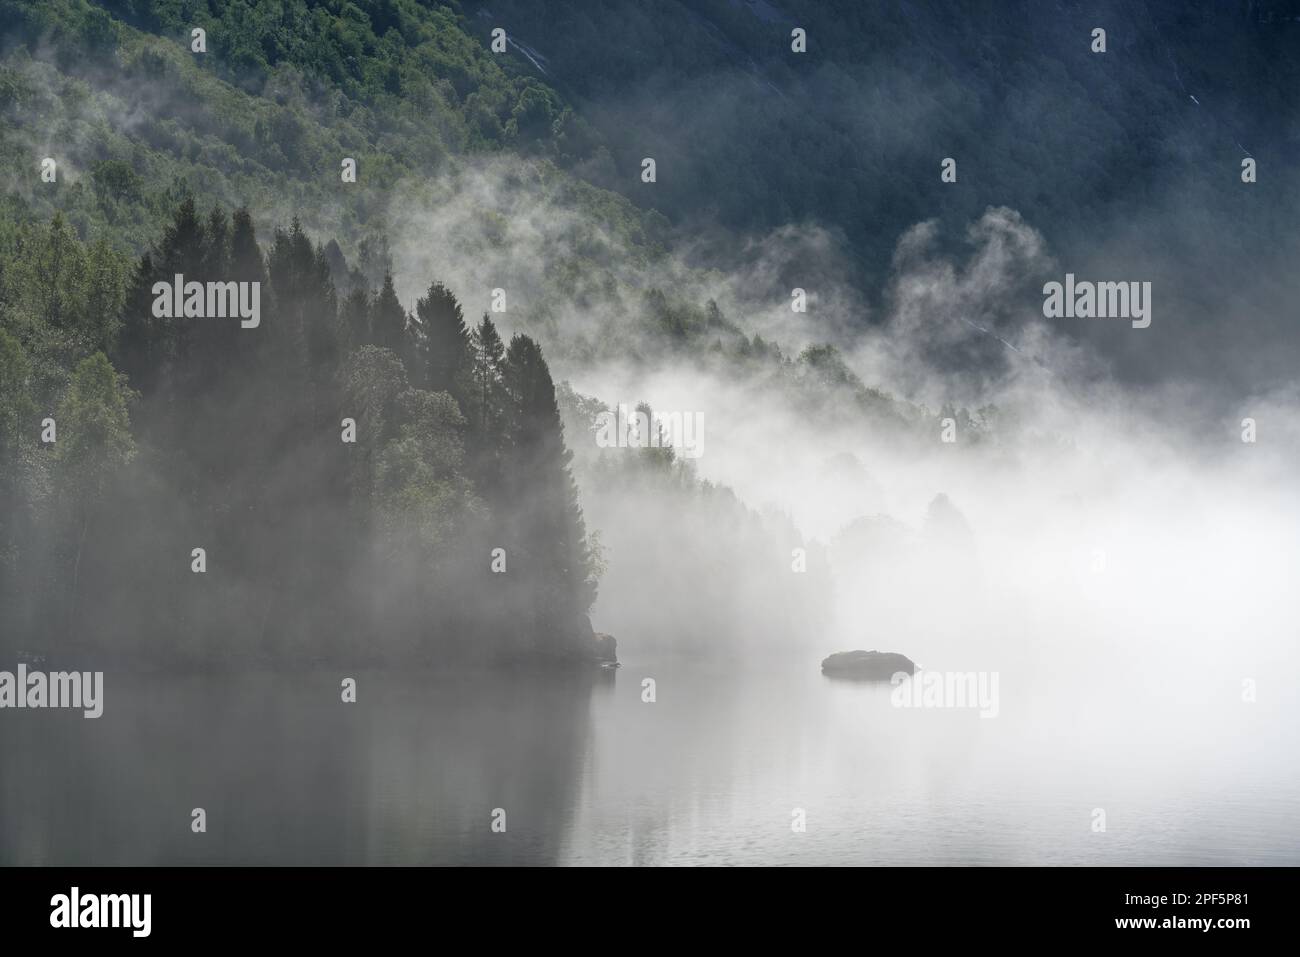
(709, 774)
(1122, 577)
(1105, 518)
(1121, 566)
(1118, 556)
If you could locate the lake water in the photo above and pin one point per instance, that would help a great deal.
(710, 773)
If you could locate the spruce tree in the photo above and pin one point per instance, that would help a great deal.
(216, 341)
(354, 319)
(388, 322)
(184, 245)
(138, 352)
(547, 524)
(485, 407)
(246, 264)
(445, 348)
(486, 400)
(216, 245)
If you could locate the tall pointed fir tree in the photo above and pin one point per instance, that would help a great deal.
(166, 348)
(388, 324)
(139, 350)
(444, 344)
(354, 318)
(546, 524)
(485, 407)
(246, 263)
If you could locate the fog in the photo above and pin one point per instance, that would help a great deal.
(1086, 516)
(1086, 525)
(1105, 516)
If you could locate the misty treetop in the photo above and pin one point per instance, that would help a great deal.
(360, 478)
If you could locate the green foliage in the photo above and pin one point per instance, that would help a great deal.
(286, 510)
(17, 421)
(388, 320)
(423, 496)
(16, 406)
(488, 394)
(372, 379)
(95, 439)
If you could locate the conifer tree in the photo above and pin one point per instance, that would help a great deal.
(216, 245)
(486, 401)
(354, 319)
(445, 348)
(305, 303)
(139, 343)
(184, 245)
(246, 264)
(485, 407)
(388, 321)
(547, 523)
(215, 341)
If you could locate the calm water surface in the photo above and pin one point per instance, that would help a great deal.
(587, 773)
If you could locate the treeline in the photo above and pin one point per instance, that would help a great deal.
(363, 481)
(694, 571)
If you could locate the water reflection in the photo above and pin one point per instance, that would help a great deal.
(287, 773)
(588, 772)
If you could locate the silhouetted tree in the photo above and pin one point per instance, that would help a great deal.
(388, 320)
(354, 318)
(444, 343)
(546, 523)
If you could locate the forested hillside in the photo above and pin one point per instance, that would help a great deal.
(337, 420)
(391, 181)
(361, 472)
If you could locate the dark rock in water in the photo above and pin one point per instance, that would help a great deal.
(605, 648)
(871, 665)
